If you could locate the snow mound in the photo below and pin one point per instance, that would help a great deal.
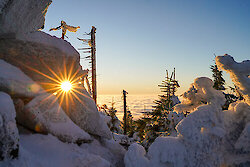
(109, 150)
(200, 92)
(83, 112)
(46, 39)
(48, 151)
(135, 156)
(43, 114)
(14, 82)
(22, 16)
(9, 136)
(167, 151)
(239, 73)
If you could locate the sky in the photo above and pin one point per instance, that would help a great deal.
(138, 40)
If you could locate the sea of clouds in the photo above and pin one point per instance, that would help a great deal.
(135, 103)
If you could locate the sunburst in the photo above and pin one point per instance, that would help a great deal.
(66, 85)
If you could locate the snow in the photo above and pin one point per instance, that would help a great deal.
(22, 16)
(109, 150)
(16, 83)
(244, 140)
(44, 38)
(200, 92)
(83, 112)
(135, 156)
(167, 151)
(48, 151)
(9, 136)
(239, 73)
(2, 5)
(43, 114)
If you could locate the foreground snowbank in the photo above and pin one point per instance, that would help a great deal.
(48, 151)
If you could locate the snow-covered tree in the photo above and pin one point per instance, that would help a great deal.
(114, 123)
(162, 120)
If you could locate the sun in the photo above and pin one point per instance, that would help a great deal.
(66, 86)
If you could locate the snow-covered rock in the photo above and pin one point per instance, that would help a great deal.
(44, 115)
(9, 136)
(23, 16)
(109, 150)
(84, 113)
(47, 151)
(239, 73)
(43, 63)
(14, 82)
(46, 39)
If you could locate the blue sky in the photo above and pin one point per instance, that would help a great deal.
(137, 40)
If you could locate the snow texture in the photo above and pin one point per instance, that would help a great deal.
(135, 156)
(200, 92)
(14, 82)
(23, 16)
(2, 5)
(237, 138)
(46, 39)
(109, 150)
(44, 115)
(239, 73)
(167, 151)
(48, 151)
(9, 136)
(84, 113)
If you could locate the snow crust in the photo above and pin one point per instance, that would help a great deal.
(84, 113)
(22, 16)
(109, 150)
(16, 83)
(200, 92)
(239, 73)
(2, 5)
(44, 38)
(135, 156)
(44, 115)
(9, 136)
(167, 151)
(48, 151)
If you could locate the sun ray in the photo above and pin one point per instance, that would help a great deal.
(52, 71)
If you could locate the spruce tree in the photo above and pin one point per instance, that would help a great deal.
(158, 122)
(219, 81)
